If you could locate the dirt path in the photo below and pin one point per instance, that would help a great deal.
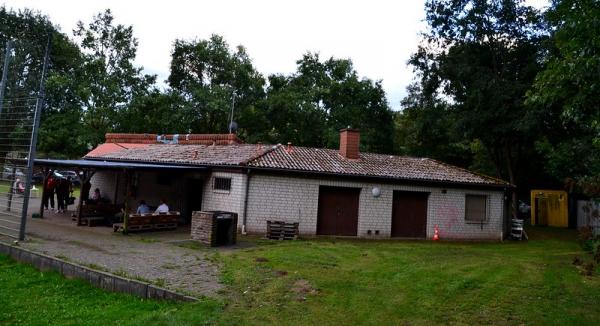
(153, 257)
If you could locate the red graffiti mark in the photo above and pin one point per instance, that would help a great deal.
(449, 217)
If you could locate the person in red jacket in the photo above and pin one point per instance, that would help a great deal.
(49, 192)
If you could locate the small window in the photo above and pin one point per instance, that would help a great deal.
(222, 184)
(476, 208)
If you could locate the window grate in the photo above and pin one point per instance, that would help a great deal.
(222, 184)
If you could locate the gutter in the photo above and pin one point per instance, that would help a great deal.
(244, 219)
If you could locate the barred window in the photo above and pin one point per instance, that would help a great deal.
(475, 208)
(222, 184)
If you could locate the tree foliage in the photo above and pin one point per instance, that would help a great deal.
(112, 81)
(211, 78)
(322, 97)
(499, 87)
(565, 95)
(60, 132)
(482, 56)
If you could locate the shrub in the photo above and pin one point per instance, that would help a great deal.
(586, 238)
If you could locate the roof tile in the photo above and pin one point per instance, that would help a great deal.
(304, 159)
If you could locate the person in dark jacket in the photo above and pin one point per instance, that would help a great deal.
(62, 194)
(85, 191)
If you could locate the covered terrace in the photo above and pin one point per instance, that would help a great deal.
(124, 184)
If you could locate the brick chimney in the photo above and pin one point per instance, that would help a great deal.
(349, 142)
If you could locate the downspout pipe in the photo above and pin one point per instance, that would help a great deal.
(244, 218)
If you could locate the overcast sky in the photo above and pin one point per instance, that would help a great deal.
(379, 36)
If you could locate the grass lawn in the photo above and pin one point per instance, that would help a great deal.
(5, 187)
(29, 297)
(344, 282)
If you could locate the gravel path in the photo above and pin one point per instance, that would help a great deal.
(155, 257)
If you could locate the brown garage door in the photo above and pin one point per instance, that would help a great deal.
(338, 211)
(409, 214)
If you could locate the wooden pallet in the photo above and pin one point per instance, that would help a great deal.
(92, 220)
(163, 226)
(278, 230)
(118, 227)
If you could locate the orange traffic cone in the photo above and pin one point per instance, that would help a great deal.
(436, 233)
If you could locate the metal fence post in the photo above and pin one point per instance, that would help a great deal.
(32, 146)
(9, 46)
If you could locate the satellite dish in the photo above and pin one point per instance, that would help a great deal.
(233, 126)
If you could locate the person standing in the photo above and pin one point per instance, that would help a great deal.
(62, 192)
(85, 191)
(67, 192)
(49, 192)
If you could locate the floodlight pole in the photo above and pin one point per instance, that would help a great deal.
(34, 133)
(232, 106)
(9, 45)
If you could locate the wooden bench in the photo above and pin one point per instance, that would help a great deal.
(146, 222)
(100, 209)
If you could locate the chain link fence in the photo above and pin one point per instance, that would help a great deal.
(20, 109)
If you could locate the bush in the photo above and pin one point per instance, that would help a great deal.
(587, 240)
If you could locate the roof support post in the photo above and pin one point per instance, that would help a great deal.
(46, 174)
(87, 176)
(126, 204)
(116, 188)
(244, 218)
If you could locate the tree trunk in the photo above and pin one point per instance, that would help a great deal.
(511, 169)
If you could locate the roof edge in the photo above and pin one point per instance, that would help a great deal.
(483, 175)
(496, 186)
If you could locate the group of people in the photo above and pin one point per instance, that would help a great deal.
(143, 208)
(62, 188)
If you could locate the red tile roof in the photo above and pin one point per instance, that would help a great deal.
(228, 155)
(302, 159)
(370, 165)
(112, 147)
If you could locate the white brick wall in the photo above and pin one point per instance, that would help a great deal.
(231, 201)
(296, 200)
(105, 181)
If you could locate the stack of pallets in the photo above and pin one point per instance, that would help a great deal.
(278, 230)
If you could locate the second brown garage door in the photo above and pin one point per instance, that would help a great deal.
(409, 214)
(338, 211)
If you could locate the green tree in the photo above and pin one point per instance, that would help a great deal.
(60, 131)
(483, 56)
(427, 127)
(565, 94)
(310, 106)
(159, 112)
(211, 78)
(292, 114)
(112, 81)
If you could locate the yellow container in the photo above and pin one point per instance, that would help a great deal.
(549, 207)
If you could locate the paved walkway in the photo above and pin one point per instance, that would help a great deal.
(157, 257)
